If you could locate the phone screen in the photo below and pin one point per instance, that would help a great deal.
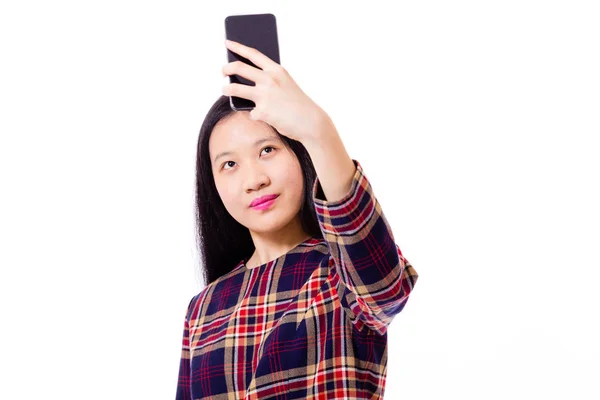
(254, 30)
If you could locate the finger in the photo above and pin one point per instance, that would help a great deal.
(255, 115)
(252, 54)
(242, 69)
(239, 90)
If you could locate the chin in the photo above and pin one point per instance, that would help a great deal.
(271, 222)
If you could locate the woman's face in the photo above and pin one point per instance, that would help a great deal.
(253, 169)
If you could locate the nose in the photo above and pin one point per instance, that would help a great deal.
(256, 179)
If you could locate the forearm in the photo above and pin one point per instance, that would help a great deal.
(334, 166)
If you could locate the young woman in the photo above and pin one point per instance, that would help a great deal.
(303, 274)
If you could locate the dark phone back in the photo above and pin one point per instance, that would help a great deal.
(254, 30)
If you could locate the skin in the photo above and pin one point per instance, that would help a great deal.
(283, 105)
(251, 171)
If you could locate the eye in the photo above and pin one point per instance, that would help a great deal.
(227, 162)
(269, 147)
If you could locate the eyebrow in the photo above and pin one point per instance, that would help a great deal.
(259, 141)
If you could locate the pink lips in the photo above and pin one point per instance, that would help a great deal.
(263, 199)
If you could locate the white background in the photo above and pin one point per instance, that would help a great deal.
(476, 122)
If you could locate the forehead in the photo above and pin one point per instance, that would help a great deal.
(237, 133)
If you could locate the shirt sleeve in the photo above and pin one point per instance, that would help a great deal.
(184, 391)
(372, 277)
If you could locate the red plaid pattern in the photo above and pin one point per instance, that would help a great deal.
(311, 324)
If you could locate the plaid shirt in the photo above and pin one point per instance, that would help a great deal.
(311, 324)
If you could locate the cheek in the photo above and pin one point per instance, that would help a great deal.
(228, 196)
(293, 181)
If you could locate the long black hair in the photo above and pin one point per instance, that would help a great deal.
(222, 241)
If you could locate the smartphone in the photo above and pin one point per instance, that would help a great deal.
(254, 30)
